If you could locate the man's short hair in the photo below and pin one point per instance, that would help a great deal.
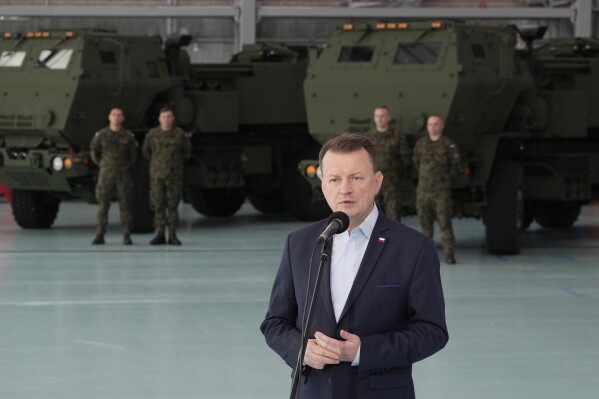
(435, 116)
(117, 107)
(383, 107)
(167, 108)
(350, 142)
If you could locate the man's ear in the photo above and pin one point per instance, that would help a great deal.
(378, 178)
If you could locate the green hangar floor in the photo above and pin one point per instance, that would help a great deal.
(80, 321)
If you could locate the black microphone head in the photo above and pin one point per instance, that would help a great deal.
(342, 219)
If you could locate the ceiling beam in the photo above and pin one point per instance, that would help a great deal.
(119, 12)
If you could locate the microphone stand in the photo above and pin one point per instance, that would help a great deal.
(307, 321)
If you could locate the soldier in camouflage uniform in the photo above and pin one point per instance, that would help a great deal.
(167, 148)
(437, 159)
(114, 150)
(394, 160)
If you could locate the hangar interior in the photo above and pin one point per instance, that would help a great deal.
(182, 322)
(221, 27)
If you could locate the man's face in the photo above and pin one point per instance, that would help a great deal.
(349, 184)
(435, 126)
(116, 117)
(167, 120)
(382, 117)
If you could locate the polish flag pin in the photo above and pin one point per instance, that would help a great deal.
(381, 239)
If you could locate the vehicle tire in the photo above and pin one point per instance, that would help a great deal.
(271, 202)
(216, 202)
(298, 194)
(34, 209)
(143, 216)
(505, 208)
(558, 216)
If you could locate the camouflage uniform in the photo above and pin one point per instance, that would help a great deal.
(394, 162)
(438, 162)
(114, 153)
(166, 151)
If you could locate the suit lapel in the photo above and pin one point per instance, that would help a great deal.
(371, 256)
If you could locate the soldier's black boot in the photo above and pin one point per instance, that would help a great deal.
(450, 259)
(127, 239)
(158, 238)
(172, 238)
(99, 240)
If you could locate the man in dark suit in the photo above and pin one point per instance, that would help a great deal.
(380, 307)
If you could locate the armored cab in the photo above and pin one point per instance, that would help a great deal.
(57, 88)
(524, 119)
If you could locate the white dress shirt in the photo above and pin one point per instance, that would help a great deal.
(348, 251)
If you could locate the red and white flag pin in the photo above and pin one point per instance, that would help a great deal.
(381, 239)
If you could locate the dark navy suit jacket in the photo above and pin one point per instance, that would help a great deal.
(395, 306)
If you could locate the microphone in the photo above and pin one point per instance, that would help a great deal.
(338, 223)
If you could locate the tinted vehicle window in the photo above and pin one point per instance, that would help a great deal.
(417, 53)
(356, 54)
(478, 51)
(108, 57)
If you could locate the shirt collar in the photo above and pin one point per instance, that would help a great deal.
(367, 226)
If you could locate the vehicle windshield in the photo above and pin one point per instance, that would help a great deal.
(417, 53)
(55, 59)
(12, 58)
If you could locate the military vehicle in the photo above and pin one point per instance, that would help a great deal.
(526, 120)
(247, 118)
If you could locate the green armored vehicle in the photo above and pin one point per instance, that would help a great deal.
(56, 90)
(526, 121)
(247, 120)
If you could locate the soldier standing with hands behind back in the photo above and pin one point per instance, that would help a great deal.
(167, 148)
(394, 159)
(114, 150)
(437, 159)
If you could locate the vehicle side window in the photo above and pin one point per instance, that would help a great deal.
(478, 51)
(108, 57)
(12, 59)
(356, 54)
(417, 53)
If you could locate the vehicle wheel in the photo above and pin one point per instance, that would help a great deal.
(298, 194)
(34, 209)
(216, 202)
(558, 216)
(505, 207)
(143, 217)
(271, 202)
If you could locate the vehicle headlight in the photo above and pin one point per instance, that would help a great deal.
(319, 172)
(57, 164)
